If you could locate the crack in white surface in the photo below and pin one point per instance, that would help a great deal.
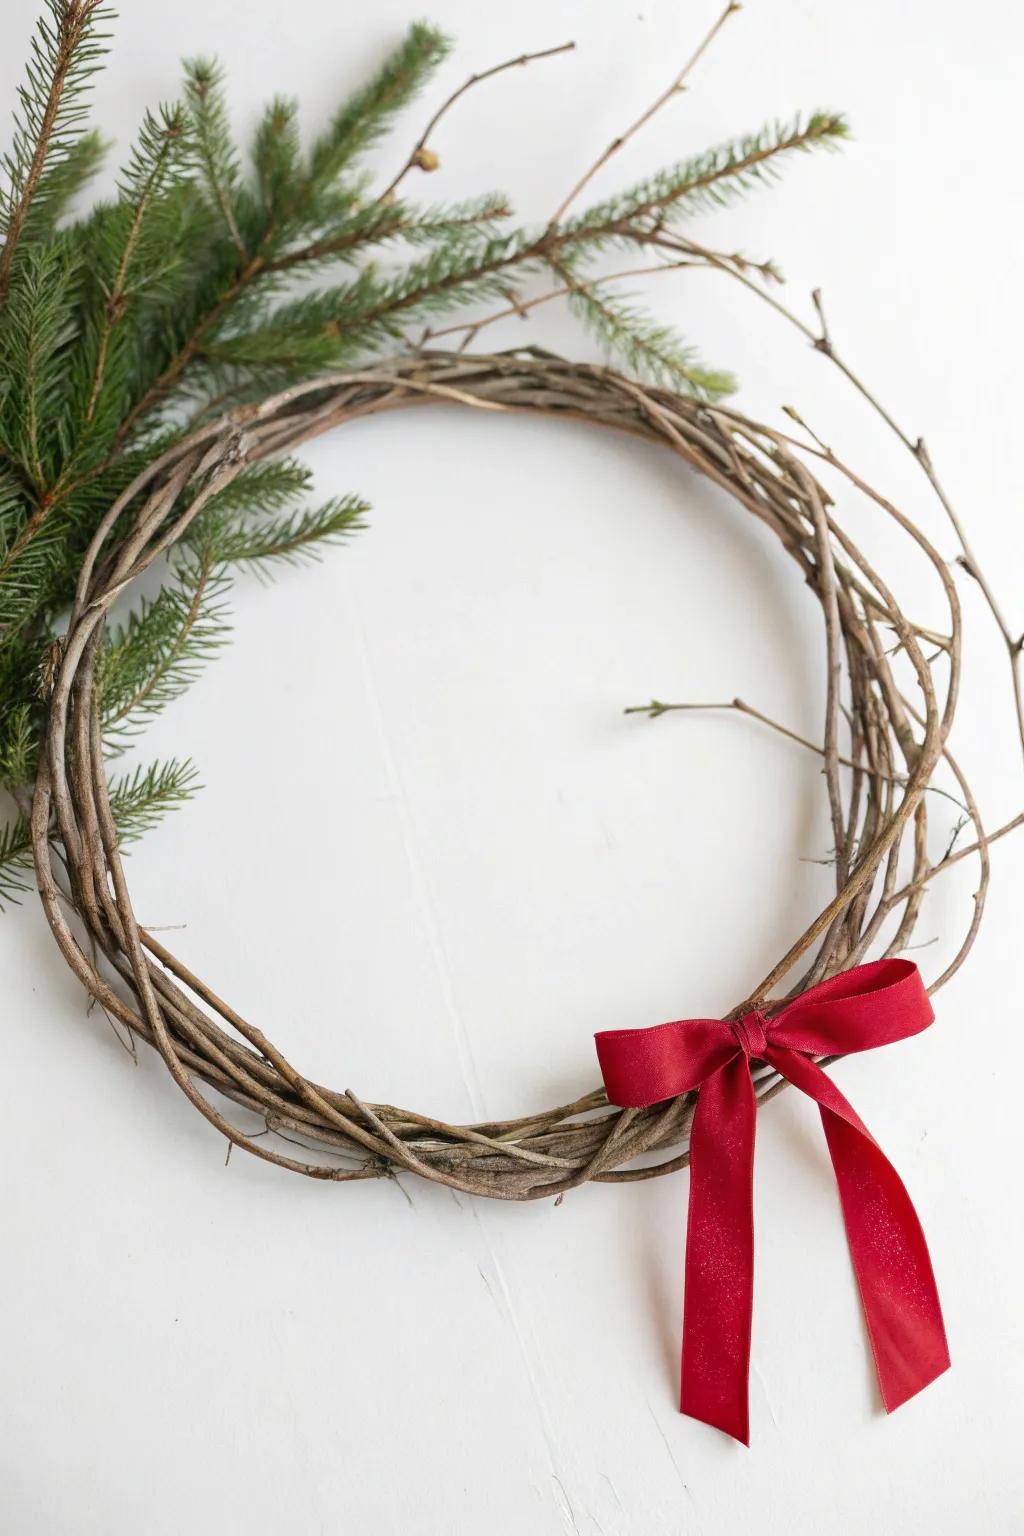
(671, 1456)
(501, 1294)
(767, 1395)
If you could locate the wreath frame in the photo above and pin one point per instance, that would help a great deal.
(898, 743)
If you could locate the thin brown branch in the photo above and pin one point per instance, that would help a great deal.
(420, 148)
(739, 706)
(522, 307)
(822, 342)
(677, 86)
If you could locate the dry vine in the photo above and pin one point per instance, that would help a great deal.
(898, 739)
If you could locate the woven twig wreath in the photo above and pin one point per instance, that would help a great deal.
(898, 726)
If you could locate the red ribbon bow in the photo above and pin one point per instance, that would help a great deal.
(855, 1011)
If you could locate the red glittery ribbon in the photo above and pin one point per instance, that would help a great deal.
(857, 1010)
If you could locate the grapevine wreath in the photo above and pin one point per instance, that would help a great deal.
(158, 374)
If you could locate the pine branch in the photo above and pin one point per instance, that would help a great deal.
(37, 337)
(18, 747)
(162, 648)
(156, 155)
(321, 329)
(648, 350)
(295, 537)
(367, 115)
(63, 180)
(276, 157)
(217, 153)
(713, 179)
(64, 56)
(15, 861)
(140, 800)
(261, 490)
(28, 564)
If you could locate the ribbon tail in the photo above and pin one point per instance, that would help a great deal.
(887, 1246)
(718, 1304)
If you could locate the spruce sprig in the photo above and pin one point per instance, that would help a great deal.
(47, 157)
(189, 291)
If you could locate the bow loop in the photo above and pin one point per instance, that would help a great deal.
(869, 1005)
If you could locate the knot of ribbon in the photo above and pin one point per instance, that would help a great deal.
(859, 1009)
(749, 1033)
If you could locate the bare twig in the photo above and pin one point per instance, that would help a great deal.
(420, 149)
(522, 307)
(822, 342)
(677, 86)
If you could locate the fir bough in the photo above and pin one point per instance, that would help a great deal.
(123, 324)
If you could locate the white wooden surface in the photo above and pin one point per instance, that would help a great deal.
(502, 863)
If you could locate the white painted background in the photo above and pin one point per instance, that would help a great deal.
(501, 864)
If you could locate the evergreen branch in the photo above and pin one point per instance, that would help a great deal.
(295, 537)
(648, 350)
(712, 179)
(217, 155)
(275, 154)
(36, 344)
(365, 118)
(215, 337)
(63, 57)
(322, 328)
(161, 649)
(260, 490)
(15, 861)
(472, 216)
(521, 307)
(27, 566)
(378, 223)
(30, 554)
(61, 182)
(170, 375)
(364, 226)
(139, 800)
(160, 144)
(18, 746)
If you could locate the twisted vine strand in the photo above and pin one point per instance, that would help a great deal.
(897, 743)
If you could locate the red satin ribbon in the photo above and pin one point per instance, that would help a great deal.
(855, 1011)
